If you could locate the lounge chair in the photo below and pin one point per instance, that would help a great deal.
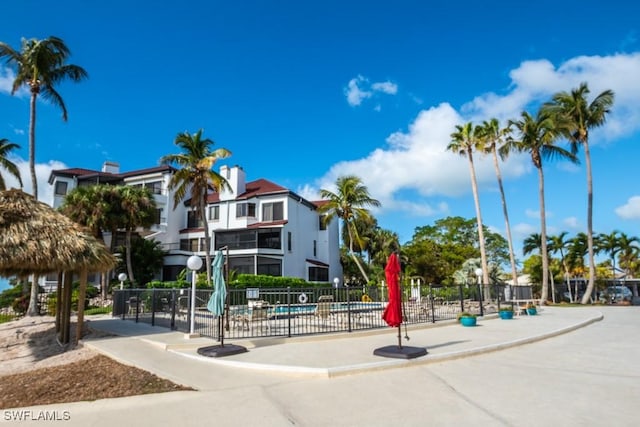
(323, 308)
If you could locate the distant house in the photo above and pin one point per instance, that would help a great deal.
(267, 228)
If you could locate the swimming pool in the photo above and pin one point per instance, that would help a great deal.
(355, 306)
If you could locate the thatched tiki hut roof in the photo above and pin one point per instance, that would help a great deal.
(37, 239)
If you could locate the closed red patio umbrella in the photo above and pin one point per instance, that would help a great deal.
(393, 312)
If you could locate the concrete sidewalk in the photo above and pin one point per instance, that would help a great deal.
(167, 353)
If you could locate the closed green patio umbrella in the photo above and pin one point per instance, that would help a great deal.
(216, 305)
(219, 296)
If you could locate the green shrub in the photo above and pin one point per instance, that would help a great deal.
(98, 310)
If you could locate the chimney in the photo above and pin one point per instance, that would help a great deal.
(111, 167)
(236, 178)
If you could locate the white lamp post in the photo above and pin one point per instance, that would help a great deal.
(336, 282)
(194, 263)
(122, 277)
(479, 275)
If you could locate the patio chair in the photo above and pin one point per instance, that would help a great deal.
(323, 308)
(258, 314)
(133, 303)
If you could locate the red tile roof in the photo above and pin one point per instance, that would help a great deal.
(259, 187)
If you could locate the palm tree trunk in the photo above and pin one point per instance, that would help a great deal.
(544, 294)
(128, 257)
(207, 239)
(32, 310)
(32, 143)
(592, 265)
(512, 257)
(476, 198)
(353, 255)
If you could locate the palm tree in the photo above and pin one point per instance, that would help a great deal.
(609, 243)
(537, 137)
(349, 203)
(578, 250)
(5, 148)
(559, 244)
(196, 177)
(583, 116)
(464, 142)
(494, 141)
(40, 64)
(138, 209)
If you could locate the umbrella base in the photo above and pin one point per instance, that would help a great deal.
(221, 350)
(400, 352)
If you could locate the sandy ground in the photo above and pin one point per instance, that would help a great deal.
(30, 343)
(36, 370)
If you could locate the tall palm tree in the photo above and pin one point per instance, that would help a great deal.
(494, 141)
(349, 203)
(40, 64)
(578, 250)
(138, 210)
(583, 116)
(537, 136)
(5, 148)
(99, 208)
(464, 142)
(559, 244)
(196, 177)
(609, 243)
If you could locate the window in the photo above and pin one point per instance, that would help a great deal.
(242, 265)
(272, 212)
(158, 216)
(214, 213)
(189, 245)
(269, 266)
(289, 241)
(155, 187)
(318, 274)
(322, 225)
(269, 238)
(61, 188)
(245, 210)
(193, 221)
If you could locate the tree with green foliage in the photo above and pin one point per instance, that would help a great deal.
(147, 259)
(196, 177)
(537, 136)
(465, 140)
(41, 65)
(349, 203)
(558, 243)
(582, 116)
(5, 149)
(138, 208)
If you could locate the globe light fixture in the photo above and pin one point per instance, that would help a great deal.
(122, 277)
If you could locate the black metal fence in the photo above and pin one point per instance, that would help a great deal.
(288, 312)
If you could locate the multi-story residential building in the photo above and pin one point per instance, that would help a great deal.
(264, 227)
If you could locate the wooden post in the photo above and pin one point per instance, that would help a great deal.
(81, 297)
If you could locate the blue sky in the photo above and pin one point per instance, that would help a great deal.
(304, 92)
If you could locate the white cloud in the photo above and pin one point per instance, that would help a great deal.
(631, 209)
(385, 87)
(7, 76)
(354, 94)
(358, 89)
(416, 160)
(532, 214)
(18, 131)
(572, 223)
(43, 171)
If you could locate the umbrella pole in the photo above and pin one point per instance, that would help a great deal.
(400, 336)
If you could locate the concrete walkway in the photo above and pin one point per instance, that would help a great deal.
(561, 366)
(332, 355)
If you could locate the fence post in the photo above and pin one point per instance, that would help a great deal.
(480, 298)
(461, 298)
(433, 308)
(289, 311)
(153, 307)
